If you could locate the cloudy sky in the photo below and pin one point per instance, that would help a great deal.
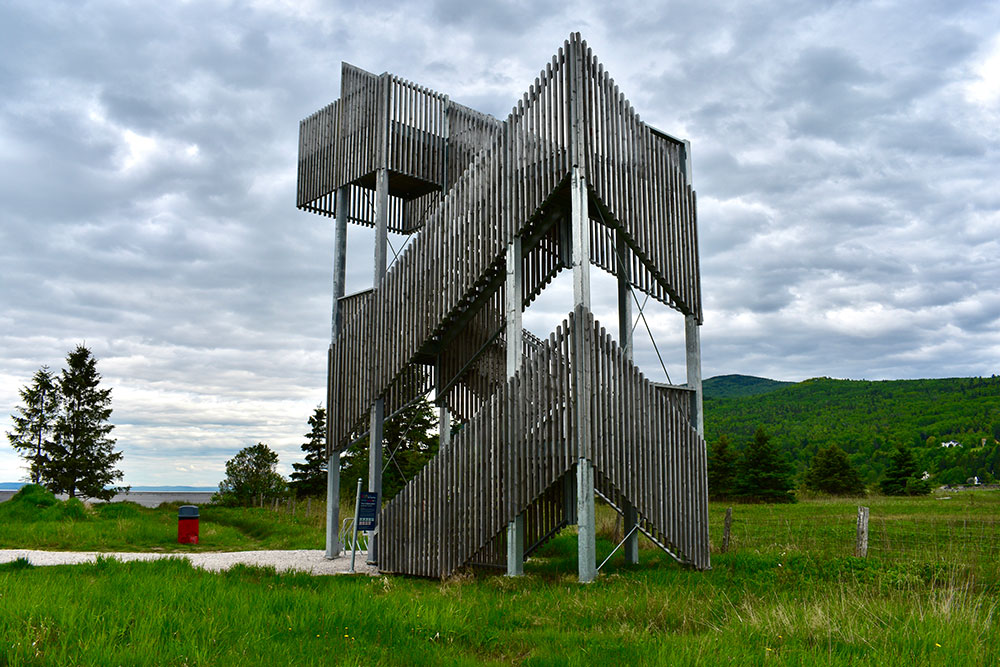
(846, 156)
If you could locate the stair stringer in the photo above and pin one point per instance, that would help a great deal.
(637, 185)
(504, 462)
(646, 451)
(520, 445)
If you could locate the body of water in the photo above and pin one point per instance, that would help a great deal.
(144, 498)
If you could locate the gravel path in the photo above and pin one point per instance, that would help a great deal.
(304, 560)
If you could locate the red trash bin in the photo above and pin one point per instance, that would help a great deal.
(187, 524)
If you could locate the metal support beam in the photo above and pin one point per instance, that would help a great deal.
(692, 339)
(580, 226)
(580, 230)
(692, 343)
(375, 469)
(378, 407)
(333, 545)
(515, 351)
(587, 548)
(444, 428)
(630, 517)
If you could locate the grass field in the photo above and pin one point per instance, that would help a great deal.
(788, 592)
(72, 526)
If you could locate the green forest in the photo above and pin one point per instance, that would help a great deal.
(868, 420)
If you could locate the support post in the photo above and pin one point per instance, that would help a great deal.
(692, 344)
(333, 545)
(515, 352)
(375, 470)
(354, 533)
(861, 545)
(378, 407)
(580, 225)
(727, 526)
(444, 414)
(692, 339)
(444, 428)
(631, 517)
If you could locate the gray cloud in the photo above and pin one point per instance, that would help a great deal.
(845, 157)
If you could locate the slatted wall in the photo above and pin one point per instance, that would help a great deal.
(387, 120)
(460, 251)
(638, 175)
(317, 175)
(503, 461)
(351, 402)
(511, 458)
(646, 450)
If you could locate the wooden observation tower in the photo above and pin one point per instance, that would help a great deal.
(571, 178)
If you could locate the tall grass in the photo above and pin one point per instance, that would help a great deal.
(750, 609)
(788, 592)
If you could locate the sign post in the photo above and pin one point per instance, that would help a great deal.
(365, 516)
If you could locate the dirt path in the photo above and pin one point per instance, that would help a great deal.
(305, 560)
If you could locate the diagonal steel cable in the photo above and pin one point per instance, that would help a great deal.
(631, 289)
(392, 455)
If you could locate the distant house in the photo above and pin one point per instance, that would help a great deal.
(951, 443)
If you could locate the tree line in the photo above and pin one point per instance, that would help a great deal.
(760, 473)
(409, 442)
(62, 429)
(868, 421)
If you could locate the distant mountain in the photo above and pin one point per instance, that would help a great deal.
(867, 420)
(731, 386)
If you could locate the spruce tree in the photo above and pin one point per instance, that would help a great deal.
(33, 426)
(901, 476)
(763, 473)
(831, 472)
(309, 478)
(722, 459)
(409, 443)
(81, 457)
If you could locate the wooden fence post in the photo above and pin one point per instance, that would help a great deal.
(726, 528)
(861, 546)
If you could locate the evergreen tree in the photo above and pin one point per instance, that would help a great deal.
(410, 441)
(34, 425)
(309, 478)
(901, 476)
(763, 473)
(251, 475)
(722, 459)
(81, 457)
(831, 472)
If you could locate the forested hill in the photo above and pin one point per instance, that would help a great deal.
(866, 419)
(731, 386)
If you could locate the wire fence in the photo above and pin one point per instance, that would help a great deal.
(969, 543)
(972, 542)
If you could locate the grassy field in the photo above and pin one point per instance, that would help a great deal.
(73, 526)
(788, 592)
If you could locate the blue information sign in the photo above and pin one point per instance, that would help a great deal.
(367, 510)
